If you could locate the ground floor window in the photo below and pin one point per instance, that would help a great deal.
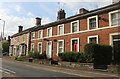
(75, 45)
(32, 47)
(93, 39)
(40, 48)
(60, 46)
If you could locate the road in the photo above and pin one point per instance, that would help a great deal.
(22, 69)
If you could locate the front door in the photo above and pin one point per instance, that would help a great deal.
(116, 48)
(49, 50)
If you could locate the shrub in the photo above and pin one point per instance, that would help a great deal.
(30, 53)
(37, 55)
(72, 57)
(21, 58)
(43, 56)
(99, 54)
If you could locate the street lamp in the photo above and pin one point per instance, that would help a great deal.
(3, 27)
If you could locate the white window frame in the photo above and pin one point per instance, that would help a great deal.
(93, 37)
(33, 35)
(110, 23)
(110, 37)
(58, 46)
(38, 47)
(31, 47)
(78, 43)
(24, 37)
(77, 26)
(88, 21)
(18, 39)
(51, 32)
(41, 34)
(58, 29)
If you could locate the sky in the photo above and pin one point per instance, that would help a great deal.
(24, 12)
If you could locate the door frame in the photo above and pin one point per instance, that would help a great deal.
(50, 49)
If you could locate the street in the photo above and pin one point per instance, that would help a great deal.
(22, 69)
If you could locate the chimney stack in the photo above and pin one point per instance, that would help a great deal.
(61, 14)
(83, 10)
(115, 1)
(20, 28)
(8, 38)
(38, 21)
(4, 38)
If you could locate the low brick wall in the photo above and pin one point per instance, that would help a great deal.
(85, 66)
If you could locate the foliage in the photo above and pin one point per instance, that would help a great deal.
(72, 57)
(5, 46)
(21, 58)
(99, 54)
(37, 55)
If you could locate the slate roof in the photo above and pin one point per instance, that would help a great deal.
(108, 8)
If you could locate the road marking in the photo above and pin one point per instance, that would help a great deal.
(7, 70)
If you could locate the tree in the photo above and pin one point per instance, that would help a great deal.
(5, 46)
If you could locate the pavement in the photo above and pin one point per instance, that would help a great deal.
(55, 68)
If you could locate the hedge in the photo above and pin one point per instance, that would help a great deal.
(72, 57)
(37, 55)
(99, 54)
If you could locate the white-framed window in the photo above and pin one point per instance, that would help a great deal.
(40, 34)
(114, 18)
(33, 35)
(92, 22)
(49, 32)
(93, 39)
(75, 44)
(60, 46)
(61, 29)
(23, 37)
(40, 47)
(75, 26)
(18, 39)
(32, 47)
(114, 37)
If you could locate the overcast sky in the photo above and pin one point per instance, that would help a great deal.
(22, 12)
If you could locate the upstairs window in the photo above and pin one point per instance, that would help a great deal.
(49, 32)
(33, 35)
(115, 18)
(60, 29)
(23, 37)
(18, 39)
(40, 34)
(93, 22)
(74, 26)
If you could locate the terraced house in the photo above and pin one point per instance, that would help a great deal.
(101, 26)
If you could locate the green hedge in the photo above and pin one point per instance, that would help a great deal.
(72, 57)
(99, 54)
(37, 55)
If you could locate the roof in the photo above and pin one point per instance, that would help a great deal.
(71, 18)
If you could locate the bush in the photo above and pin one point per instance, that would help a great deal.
(21, 58)
(43, 56)
(37, 55)
(72, 57)
(99, 54)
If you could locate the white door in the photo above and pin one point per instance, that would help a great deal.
(49, 49)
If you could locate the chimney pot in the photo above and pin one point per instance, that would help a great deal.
(83, 10)
(20, 28)
(38, 21)
(61, 14)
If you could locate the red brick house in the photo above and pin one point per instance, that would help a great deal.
(100, 26)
